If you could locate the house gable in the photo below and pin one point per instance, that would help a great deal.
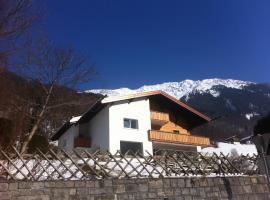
(161, 101)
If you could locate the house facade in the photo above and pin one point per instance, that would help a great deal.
(142, 122)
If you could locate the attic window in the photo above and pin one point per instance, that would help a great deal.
(176, 131)
(131, 123)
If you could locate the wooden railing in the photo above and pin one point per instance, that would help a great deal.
(161, 136)
(159, 116)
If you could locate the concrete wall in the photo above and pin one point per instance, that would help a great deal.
(244, 188)
(137, 109)
(66, 141)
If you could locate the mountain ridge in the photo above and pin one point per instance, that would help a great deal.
(180, 89)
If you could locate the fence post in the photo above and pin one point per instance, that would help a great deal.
(262, 143)
(266, 166)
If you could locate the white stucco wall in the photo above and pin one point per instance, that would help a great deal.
(98, 129)
(66, 141)
(137, 109)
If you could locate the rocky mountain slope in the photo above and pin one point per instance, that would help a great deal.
(235, 104)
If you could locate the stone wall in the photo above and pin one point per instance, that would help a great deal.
(244, 188)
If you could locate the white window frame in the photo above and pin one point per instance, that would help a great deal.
(130, 123)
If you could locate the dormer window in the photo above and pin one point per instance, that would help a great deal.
(131, 123)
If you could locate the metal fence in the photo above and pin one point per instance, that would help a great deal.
(84, 165)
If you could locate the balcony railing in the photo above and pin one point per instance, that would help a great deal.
(159, 118)
(161, 136)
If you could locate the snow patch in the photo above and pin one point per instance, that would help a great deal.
(74, 119)
(231, 149)
(229, 104)
(250, 115)
(214, 93)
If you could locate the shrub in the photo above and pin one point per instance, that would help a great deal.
(40, 142)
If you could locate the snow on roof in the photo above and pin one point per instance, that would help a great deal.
(232, 149)
(246, 138)
(250, 115)
(74, 119)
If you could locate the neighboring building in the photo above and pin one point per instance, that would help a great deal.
(233, 139)
(247, 140)
(143, 121)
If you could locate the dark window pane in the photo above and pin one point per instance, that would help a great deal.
(126, 123)
(134, 124)
(131, 146)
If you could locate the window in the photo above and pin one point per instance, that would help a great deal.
(131, 147)
(131, 123)
(176, 131)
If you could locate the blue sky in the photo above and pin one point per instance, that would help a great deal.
(138, 42)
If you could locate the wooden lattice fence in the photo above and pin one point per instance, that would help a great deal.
(83, 165)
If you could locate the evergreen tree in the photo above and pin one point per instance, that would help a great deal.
(263, 125)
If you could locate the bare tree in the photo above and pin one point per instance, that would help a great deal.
(14, 107)
(51, 67)
(16, 16)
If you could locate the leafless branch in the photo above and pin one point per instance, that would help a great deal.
(52, 67)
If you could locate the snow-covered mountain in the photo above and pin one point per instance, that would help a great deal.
(181, 89)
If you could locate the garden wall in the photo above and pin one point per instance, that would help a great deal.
(244, 188)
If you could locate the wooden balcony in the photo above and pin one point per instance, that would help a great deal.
(161, 136)
(82, 142)
(159, 118)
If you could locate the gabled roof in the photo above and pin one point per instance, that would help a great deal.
(79, 119)
(153, 93)
(65, 127)
(103, 102)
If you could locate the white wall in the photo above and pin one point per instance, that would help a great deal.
(66, 141)
(98, 129)
(106, 129)
(137, 109)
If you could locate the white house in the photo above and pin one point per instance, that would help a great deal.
(138, 122)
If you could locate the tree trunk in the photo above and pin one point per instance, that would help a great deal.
(37, 123)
